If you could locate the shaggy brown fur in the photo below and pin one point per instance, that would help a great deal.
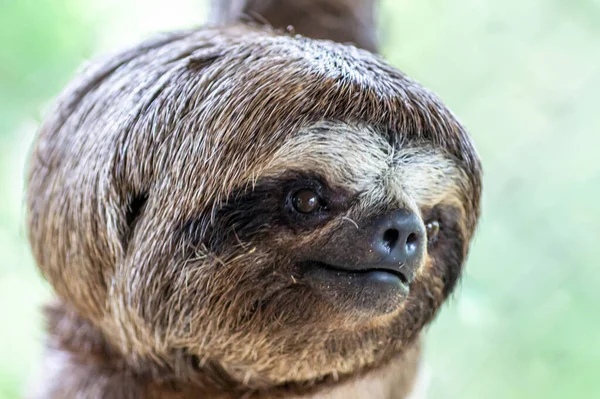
(154, 210)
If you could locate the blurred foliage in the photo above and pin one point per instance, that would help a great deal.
(523, 76)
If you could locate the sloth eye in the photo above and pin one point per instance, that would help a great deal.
(433, 230)
(306, 201)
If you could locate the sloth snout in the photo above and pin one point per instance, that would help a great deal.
(399, 241)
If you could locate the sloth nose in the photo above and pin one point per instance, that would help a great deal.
(399, 243)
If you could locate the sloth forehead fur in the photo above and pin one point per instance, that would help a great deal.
(362, 160)
(186, 126)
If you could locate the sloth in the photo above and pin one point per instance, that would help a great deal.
(239, 211)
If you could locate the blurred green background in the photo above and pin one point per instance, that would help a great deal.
(525, 78)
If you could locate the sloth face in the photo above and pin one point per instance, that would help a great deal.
(252, 209)
(348, 213)
(339, 250)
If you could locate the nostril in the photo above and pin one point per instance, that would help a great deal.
(390, 238)
(412, 241)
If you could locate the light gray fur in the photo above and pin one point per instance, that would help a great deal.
(361, 159)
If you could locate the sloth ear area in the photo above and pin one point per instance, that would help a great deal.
(135, 207)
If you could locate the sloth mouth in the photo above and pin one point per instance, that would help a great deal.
(364, 271)
(366, 291)
(371, 288)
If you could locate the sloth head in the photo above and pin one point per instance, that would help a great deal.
(252, 207)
